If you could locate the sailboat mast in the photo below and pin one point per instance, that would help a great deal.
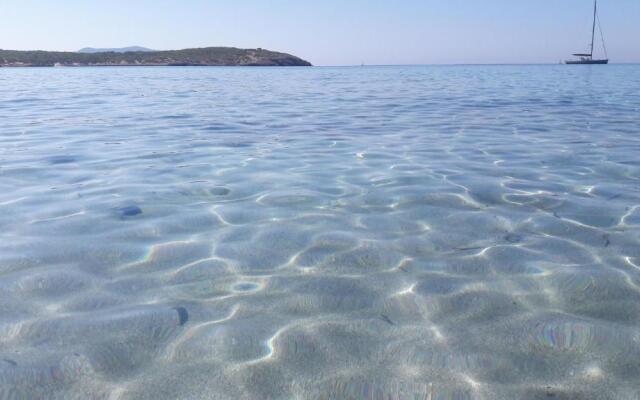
(587, 58)
(593, 32)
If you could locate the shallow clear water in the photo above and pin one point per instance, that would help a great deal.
(325, 233)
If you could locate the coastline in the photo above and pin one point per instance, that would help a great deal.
(208, 56)
(144, 65)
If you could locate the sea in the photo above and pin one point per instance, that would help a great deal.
(356, 233)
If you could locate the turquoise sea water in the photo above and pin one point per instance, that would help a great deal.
(322, 233)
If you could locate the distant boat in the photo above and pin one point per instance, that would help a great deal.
(585, 58)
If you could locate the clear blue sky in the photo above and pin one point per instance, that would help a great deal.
(332, 32)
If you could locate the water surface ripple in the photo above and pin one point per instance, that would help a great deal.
(324, 233)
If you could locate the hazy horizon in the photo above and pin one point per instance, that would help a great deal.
(407, 32)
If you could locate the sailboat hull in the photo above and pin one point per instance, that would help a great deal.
(588, 62)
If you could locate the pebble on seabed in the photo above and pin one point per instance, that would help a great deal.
(129, 211)
(61, 160)
(219, 191)
(183, 315)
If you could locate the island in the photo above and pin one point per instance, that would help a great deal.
(208, 56)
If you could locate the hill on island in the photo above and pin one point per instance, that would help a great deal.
(209, 56)
(114, 50)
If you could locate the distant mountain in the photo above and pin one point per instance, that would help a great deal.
(115, 50)
(209, 56)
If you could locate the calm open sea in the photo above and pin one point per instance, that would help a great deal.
(320, 233)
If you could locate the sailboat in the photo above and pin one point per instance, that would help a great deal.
(585, 58)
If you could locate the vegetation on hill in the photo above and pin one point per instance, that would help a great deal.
(115, 50)
(210, 56)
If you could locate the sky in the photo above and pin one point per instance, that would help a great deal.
(332, 32)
